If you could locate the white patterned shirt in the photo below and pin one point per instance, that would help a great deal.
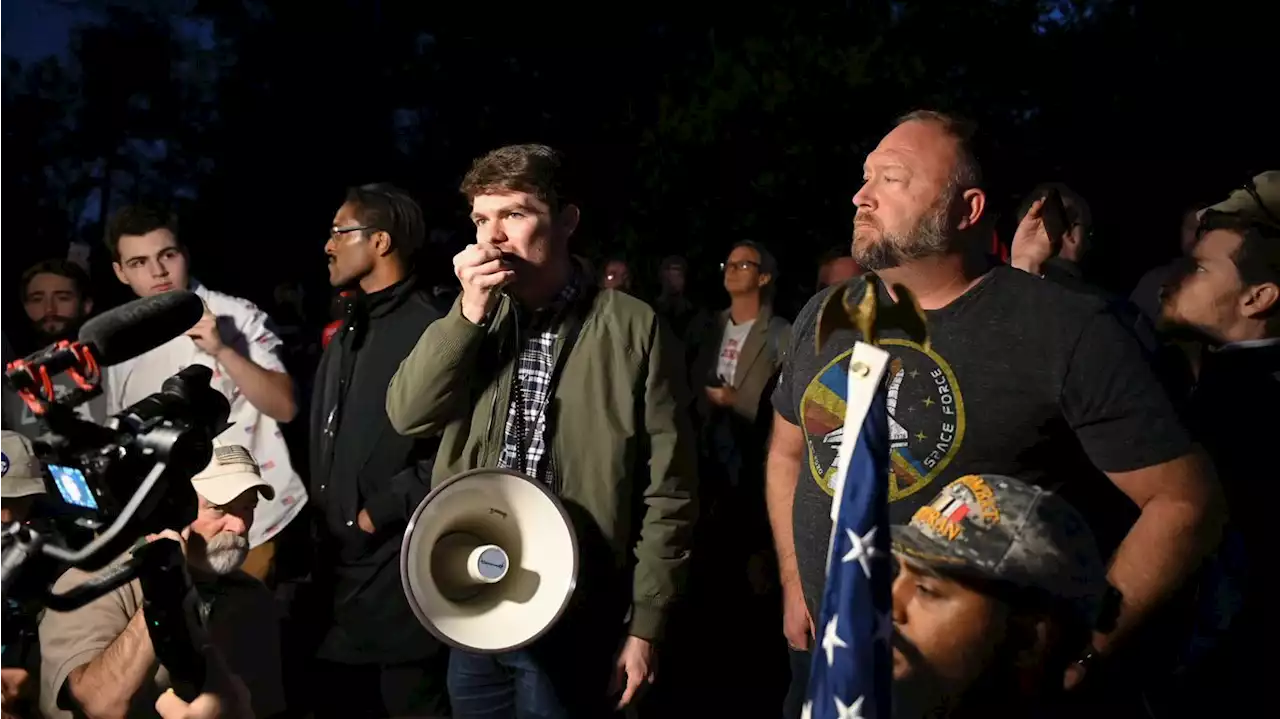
(244, 327)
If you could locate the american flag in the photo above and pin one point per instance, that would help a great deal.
(852, 668)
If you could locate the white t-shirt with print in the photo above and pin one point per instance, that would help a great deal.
(242, 326)
(730, 347)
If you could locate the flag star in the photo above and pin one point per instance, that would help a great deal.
(853, 711)
(832, 641)
(861, 549)
(806, 711)
(884, 627)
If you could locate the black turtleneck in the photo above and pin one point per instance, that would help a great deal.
(386, 299)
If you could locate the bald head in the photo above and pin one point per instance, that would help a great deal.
(966, 172)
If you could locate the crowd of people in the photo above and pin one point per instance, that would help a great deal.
(1077, 489)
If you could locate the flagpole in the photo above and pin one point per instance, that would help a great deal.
(867, 367)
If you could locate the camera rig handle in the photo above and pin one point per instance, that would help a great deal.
(20, 543)
(174, 617)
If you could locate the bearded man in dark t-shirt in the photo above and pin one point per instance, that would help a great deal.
(1023, 377)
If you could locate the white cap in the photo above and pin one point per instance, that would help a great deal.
(22, 474)
(230, 473)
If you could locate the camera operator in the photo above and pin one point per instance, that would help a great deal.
(100, 659)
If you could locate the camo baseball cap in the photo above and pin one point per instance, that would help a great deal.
(1258, 201)
(1005, 530)
(22, 475)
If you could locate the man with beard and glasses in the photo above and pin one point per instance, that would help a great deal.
(1022, 377)
(55, 294)
(98, 660)
(998, 585)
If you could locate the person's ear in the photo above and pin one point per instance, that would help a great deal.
(86, 306)
(972, 204)
(568, 219)
(381, 243)
(1258, 300)
(120, 275)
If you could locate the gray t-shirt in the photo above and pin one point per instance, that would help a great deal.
(243, 624)
(1024, 378)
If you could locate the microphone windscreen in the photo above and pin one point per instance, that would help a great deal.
(140, 326)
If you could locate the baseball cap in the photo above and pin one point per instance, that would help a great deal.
(1258, 201)
(22, 474)
(230, 473)
(1004, 530)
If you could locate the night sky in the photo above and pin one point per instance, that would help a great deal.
(33, 29)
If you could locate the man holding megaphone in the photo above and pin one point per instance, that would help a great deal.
(537, 371)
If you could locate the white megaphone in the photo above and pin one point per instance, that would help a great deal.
(489, 561)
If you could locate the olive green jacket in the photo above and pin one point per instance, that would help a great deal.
(621, 440)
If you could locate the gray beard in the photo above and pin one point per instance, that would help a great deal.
(226, 553)
(929, 238)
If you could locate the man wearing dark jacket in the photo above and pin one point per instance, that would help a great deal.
(376, 660)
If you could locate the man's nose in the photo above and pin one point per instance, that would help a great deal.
(235, 524)
(863, 197)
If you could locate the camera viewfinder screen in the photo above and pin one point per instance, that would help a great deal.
(73, 487)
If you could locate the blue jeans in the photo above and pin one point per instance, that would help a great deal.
(550, 680)
(501, 686)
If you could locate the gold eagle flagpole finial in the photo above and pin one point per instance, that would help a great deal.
(869, 317)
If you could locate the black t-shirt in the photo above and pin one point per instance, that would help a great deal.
(1023, 377)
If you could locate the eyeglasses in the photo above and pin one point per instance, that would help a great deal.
(740, 265)
(336, 233)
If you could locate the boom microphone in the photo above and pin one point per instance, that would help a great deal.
(116, 336)
(140, 326)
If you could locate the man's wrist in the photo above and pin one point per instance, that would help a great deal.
(1026, 265)
(476, 315)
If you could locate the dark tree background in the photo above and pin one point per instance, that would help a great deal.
(690, 124)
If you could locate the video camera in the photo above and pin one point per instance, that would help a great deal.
(114, 484)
